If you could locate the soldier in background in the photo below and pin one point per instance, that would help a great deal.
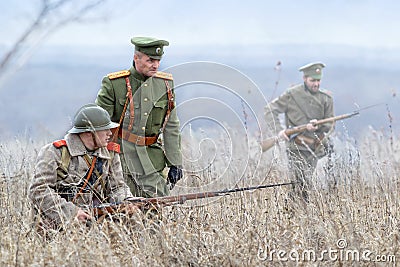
(78, 172)
(304, 104)
(143, 101)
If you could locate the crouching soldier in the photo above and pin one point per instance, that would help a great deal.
(79, 172)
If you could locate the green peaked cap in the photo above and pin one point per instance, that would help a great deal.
(313, 70)
(150, 46)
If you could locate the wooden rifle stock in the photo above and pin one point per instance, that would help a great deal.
(270, 142)
(129, 207)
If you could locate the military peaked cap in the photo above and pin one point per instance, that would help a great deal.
(150, 46)
(313, 70)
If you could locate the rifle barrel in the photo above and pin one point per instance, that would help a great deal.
(113, 208)
(270, 142)
(201, 195)
(337, 118)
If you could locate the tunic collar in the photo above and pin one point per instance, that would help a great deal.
(77, 148)
(138, 75)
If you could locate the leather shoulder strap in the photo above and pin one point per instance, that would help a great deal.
(171, 105)
(62, 169)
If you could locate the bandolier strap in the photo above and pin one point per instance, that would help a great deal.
(170, 104)
(137, 139)
(131, 108)
(89, 175)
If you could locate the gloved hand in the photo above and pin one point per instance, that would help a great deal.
(174, 175)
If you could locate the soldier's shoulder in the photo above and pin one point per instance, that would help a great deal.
(60, 143)
(118, 74)
(49, 150)
(111, 146)
(295, 88)
(164, 75)
(326, 92)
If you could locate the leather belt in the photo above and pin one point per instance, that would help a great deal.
(137, 139)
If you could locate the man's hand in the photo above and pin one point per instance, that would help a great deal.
(282, 135)
(131, 208)
(311, 127)
(82, 216)
(174, 175)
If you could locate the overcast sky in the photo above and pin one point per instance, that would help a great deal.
(364, 23)
(361, 24)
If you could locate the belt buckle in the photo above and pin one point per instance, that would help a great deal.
(140, 140)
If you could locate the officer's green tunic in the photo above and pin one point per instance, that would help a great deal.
(300, 106)
(144, 163)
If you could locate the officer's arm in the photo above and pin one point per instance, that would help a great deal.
(106, 96)
(272, 111)
(172, 139)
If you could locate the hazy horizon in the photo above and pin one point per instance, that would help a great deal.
(357, 40)
(52, 89)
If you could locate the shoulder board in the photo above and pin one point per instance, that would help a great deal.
(60, 143)
(164, 75)
(114, 147)
(118, 74)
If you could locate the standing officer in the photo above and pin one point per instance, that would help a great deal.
(143, 100)
(78, 172)
(304, 104)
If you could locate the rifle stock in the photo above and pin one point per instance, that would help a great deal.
(130, 207)
(270, 142)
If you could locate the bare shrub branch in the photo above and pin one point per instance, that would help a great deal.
(51, 17)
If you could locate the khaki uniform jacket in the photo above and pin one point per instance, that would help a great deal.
(46, 184)
(150, 107)
(300, 106)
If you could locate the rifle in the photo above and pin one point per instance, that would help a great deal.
(270, 142)
(128, 207)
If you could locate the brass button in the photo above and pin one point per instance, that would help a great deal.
(145, 84)
(145, 99)
(143, 128)
(146, 114)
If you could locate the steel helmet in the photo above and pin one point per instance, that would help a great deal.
(90, 118)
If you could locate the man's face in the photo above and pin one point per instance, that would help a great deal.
(103, 137)
(146, 65)
(312, 84)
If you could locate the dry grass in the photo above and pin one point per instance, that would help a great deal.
(242, 229)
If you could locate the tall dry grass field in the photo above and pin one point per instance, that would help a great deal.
(355, 223)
